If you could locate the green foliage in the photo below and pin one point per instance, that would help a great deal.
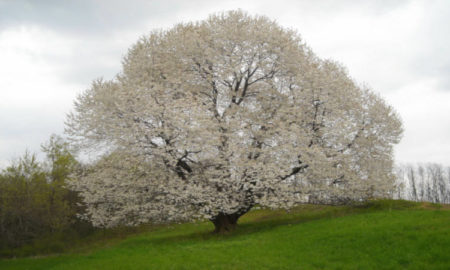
(309, 237)
(33, 199)
(60, 159)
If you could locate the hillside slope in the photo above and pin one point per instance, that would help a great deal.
(378, 235)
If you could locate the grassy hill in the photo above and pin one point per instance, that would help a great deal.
(376, 235)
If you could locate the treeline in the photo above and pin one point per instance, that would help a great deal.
(34, 201)
(37, 207)
(423, 182)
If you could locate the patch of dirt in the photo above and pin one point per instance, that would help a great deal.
(434, 206)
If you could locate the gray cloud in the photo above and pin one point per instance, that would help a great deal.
(89, 17)
(26, 129)
(394, 46)
(54, 13)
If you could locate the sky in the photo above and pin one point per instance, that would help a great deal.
(50, 51)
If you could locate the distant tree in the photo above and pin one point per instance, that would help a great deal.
(424, 182)
(61, 161)
(208, 119)
(22, 187)
(59, 165)
(33, 198)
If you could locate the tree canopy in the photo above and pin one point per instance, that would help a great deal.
(209, 118)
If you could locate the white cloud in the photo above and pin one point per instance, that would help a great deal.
(33, 98)
(41, 72)
(425, 113)
(28, 77)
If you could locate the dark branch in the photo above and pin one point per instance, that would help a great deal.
(295, 171)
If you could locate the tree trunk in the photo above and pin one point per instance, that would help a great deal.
(224, 223)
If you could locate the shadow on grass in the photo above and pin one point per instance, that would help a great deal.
(258, 221)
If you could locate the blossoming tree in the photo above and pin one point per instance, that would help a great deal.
(208, 119)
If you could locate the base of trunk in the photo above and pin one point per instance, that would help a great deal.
(224, 223)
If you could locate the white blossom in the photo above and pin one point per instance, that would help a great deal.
(208, 119)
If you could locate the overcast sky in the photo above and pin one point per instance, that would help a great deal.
(50, 51)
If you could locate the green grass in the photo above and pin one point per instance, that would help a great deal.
(377, 235)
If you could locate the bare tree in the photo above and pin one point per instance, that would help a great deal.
(424, 182)
(208, 119)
